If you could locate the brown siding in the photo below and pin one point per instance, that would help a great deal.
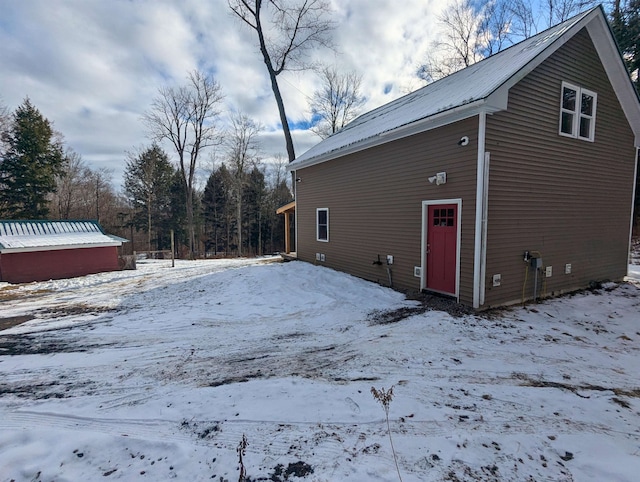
(375, 204)
(567, 198)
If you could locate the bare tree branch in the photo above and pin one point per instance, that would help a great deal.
(286, 30)
(186, 117)
(337, 102)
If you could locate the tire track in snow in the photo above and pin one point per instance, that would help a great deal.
(147, 429)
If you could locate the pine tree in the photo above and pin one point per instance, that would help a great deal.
(147, 184)
(625, 24)
(217, 205)
(30, 165)
(253, 206)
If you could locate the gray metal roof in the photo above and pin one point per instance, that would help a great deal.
(482, 85)
(36, 235)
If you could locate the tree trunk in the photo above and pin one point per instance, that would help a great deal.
(190, 227)
(283, 116)
(239, 221)
(149, 222)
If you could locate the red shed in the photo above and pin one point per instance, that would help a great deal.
(43, 250)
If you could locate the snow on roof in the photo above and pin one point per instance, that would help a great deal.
(34, 235)
(463, 88)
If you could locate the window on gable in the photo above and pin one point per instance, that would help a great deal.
(322, 224)
(577, 112)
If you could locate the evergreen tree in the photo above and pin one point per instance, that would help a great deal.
(147, 184)
(217, 205)
(30, 165)
(177, 214)
(625, 23)
(253, 206)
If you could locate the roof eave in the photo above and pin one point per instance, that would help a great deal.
(31, 249)
(422, 125)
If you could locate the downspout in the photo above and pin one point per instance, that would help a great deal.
(479, 253)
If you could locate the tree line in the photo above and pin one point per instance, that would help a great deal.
(234, 213)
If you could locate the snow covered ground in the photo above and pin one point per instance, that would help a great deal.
(156, 374)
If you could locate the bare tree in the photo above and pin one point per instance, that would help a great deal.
(527, 20)
(474, 30)
(524, 23)
(286, 30)
(5, 123)
(186, 117)
(69, 186)
(461, 42)
(242, 155)
(496, 20)
(337, 102)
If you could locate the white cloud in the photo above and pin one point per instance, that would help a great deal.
(93, 66)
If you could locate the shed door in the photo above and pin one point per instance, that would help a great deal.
(442, 238)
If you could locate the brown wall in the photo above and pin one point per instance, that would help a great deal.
(567, 198)
(57, 264)
(375, 204)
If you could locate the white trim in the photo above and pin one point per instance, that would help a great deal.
(478, 262)
(633, 202)
(592, 117)
(31, 249)
(295, 212)
(423, 244)
(485, 214)
(318, 225)
(577, 112)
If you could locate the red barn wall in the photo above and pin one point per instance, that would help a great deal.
(56, 264)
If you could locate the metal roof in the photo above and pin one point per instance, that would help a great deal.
(40, 235)
(481, 86)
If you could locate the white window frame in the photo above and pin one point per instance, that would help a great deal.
(318, 210)
(577, 113)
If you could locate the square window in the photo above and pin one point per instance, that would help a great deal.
(322, 224)
(577, 112)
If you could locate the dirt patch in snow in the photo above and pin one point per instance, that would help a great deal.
(73, 310)
(428, 302)
(11, 321)
(39, 345)
(42, 391)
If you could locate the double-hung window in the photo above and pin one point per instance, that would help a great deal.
(322, 224)
(577, 112)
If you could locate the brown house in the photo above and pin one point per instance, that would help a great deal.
(44, 250)
(509, 180)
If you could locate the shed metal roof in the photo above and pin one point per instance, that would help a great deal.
(481, 86)
(18, 236)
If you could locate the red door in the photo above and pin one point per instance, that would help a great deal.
(442, 240)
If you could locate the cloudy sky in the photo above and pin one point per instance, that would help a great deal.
(92, 67)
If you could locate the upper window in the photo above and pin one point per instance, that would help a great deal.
(577, 112)
(322, 224)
